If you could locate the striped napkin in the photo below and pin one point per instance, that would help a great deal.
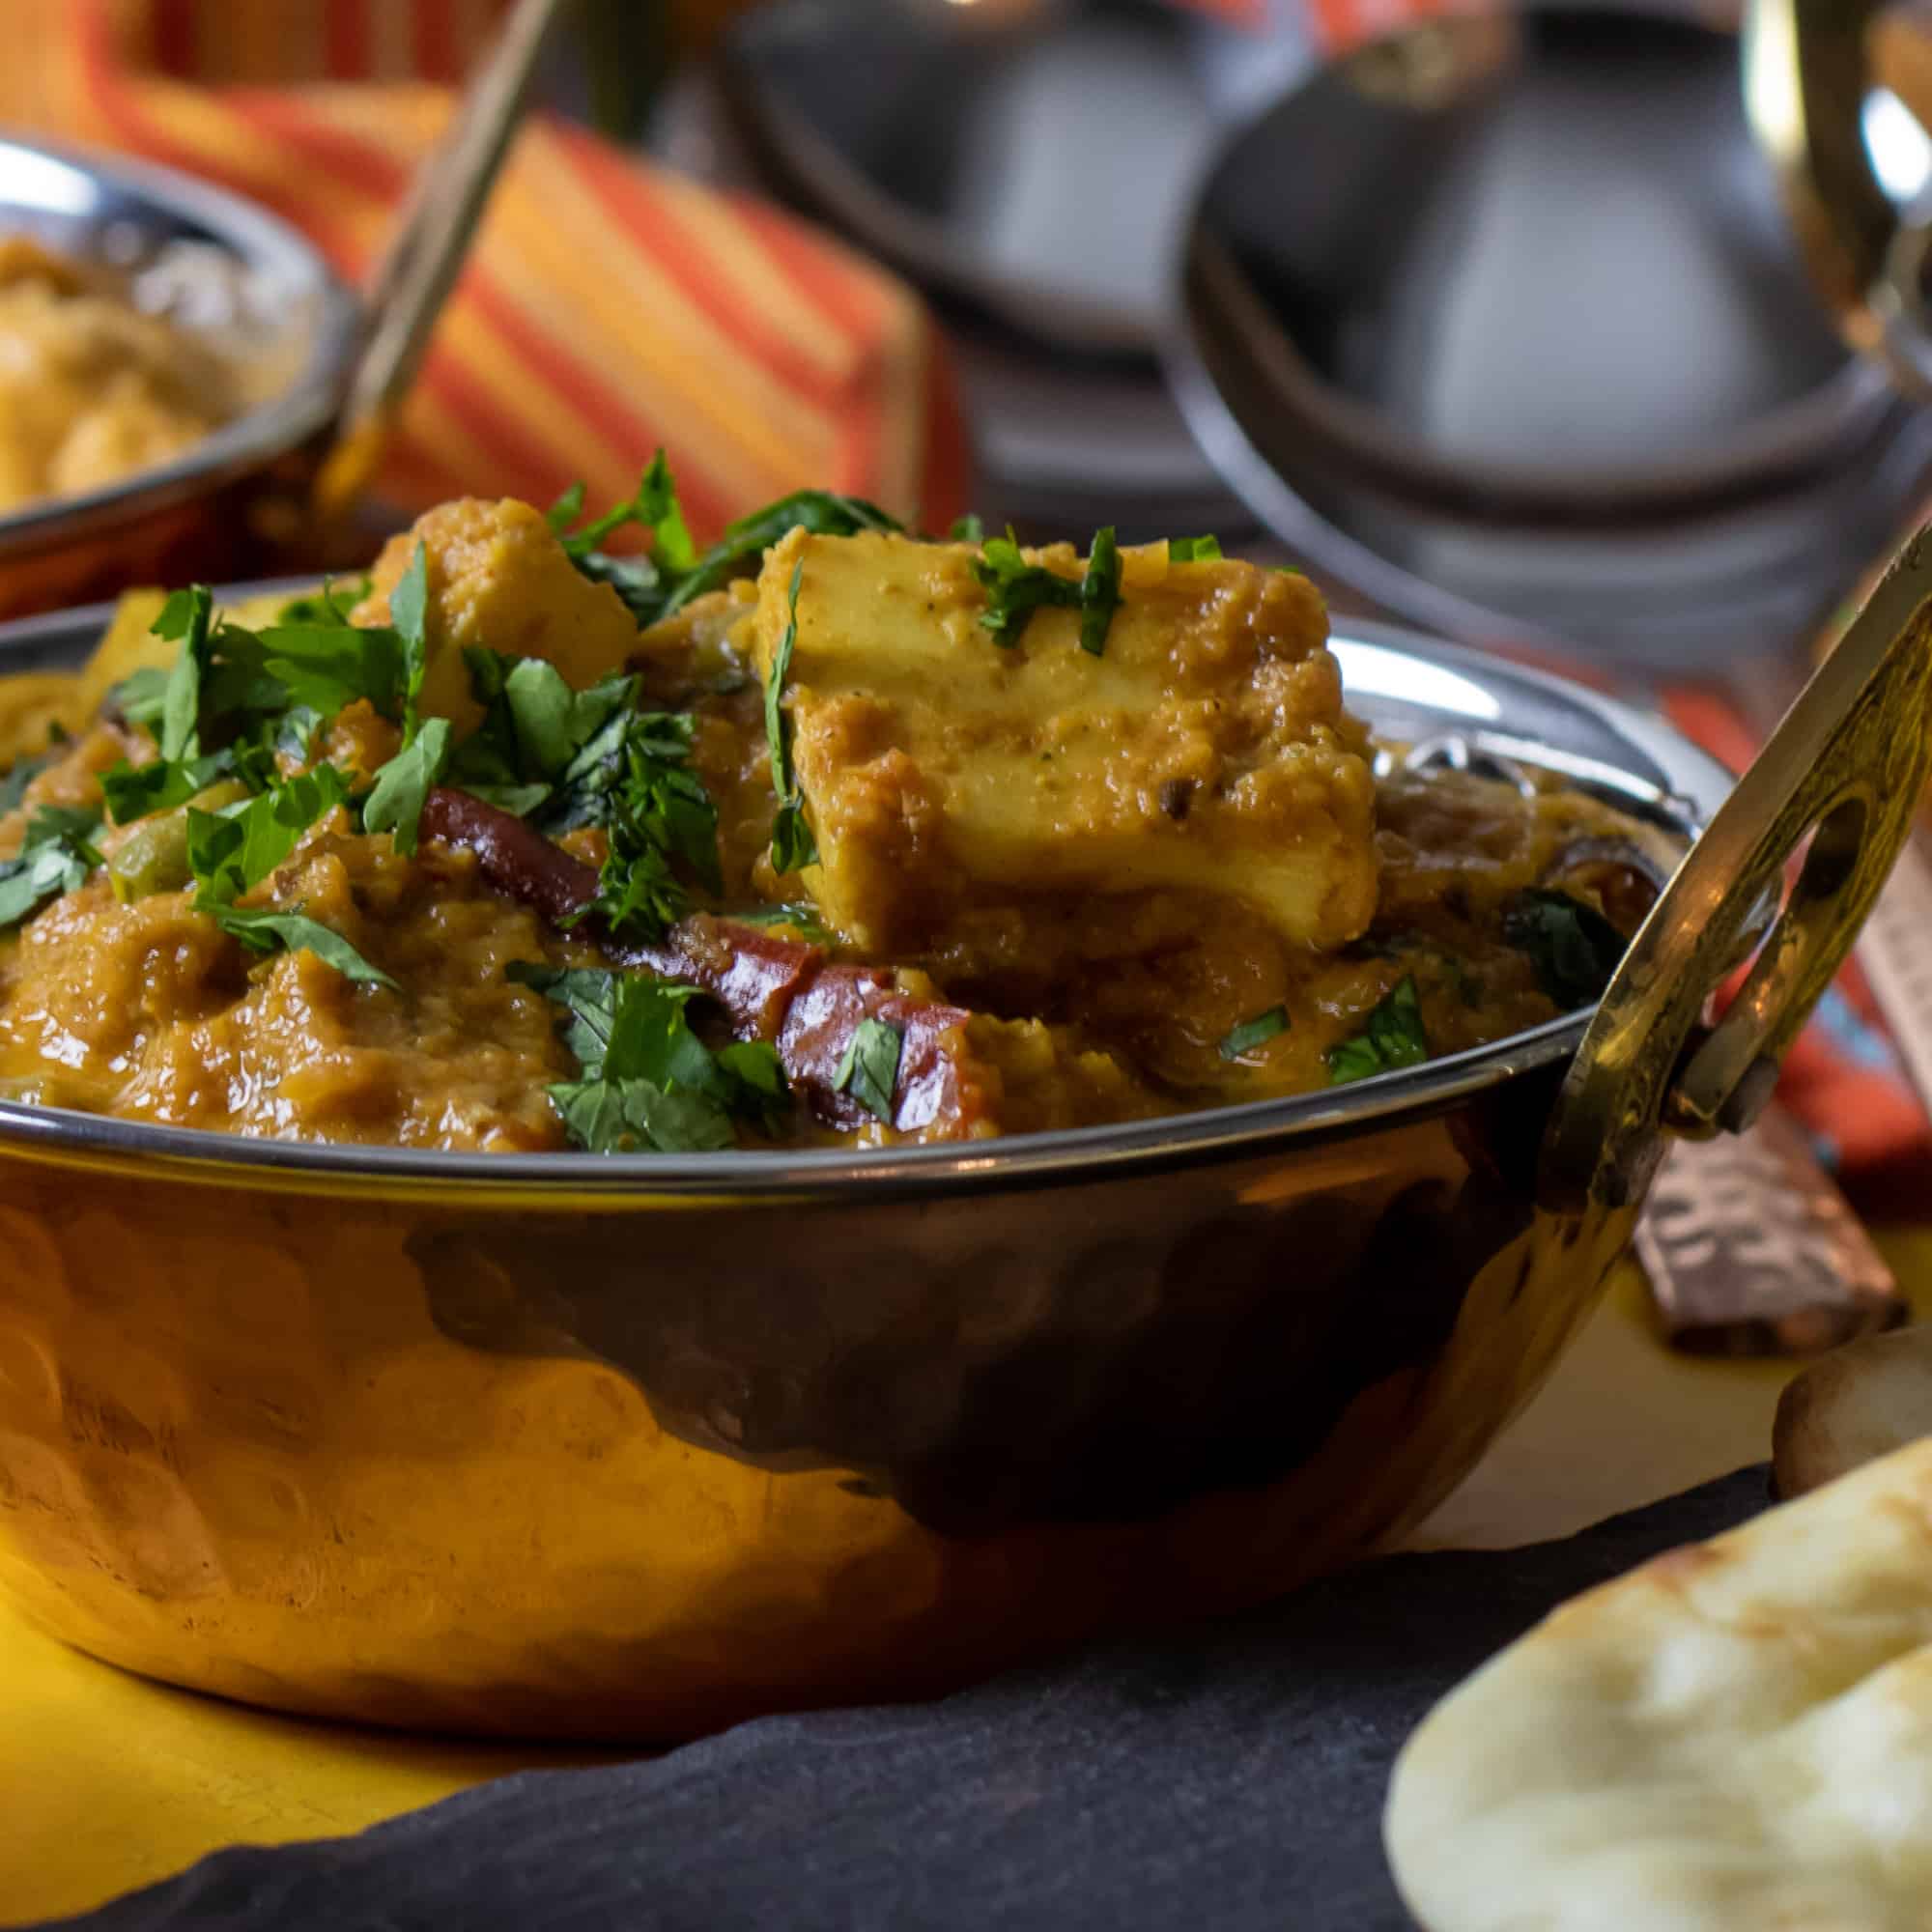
(609, 306)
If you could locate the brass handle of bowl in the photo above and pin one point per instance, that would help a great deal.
(1809, 66)
(1838, 781)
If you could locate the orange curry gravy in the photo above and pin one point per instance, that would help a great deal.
(1027, 1006)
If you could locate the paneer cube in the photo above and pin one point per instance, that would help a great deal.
(1205, 749)
(498, 577)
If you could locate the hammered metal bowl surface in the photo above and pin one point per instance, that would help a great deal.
(634, 1448)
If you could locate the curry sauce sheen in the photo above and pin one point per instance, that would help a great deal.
(571, 929)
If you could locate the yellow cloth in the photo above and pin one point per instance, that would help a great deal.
(108, 1782)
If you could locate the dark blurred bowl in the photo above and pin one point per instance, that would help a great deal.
(215, 264)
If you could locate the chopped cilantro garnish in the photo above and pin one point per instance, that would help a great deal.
(136, 791)
(1571, 946)
(1251, 1034)
(1193, 549)
(330, 605)
(647, 1082)
(1017, 589)
(409, 618)
(654, 809)
(1099, 592)
(141, 697)
(186, 617)
(969, 528)
(1392, 1037)
(266, 930)
(395, 801)
(535, 731)
(22, 772)
(793, 846)
(674, 573)
(869, 1068)
(801, 916)
(819, 511)
(56, 856)
(232, 851)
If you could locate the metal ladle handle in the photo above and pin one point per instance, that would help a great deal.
(1837, 783)
(1809, 72)
(425, 253)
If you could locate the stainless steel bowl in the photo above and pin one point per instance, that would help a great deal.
(635, 1447)
(212, 261)
(1500, 320)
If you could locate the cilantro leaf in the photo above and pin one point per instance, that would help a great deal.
(1017, 589)
(969, 528)
(635, 1117)
(654, 809)
(327, 606)
(819, 511)
(22, 772)
(567, 508)
(1392, 1037)
(56, 856)
(136, 791)
(185, 617)
(1571, 946)
(800, 915)
(1099, 591)
(675, 572)
(395, 802)
(231, 852)
(1193, 549)
(869, 1070)
(647, 1081)
(1251, 1034)
(793, 846)
(142, 695)
(409, 617)
(538, 736)
(266, 930)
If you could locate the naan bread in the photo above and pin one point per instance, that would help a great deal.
(1736, 1737)
(1851, 1407)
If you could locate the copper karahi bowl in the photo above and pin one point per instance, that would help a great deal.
(630, 1447)
(230, 272)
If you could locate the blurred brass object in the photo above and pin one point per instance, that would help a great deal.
(635, 1447)
(1838, 782)
(1809, 69)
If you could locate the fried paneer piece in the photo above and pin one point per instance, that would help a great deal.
(1205, 749)
(499, 579)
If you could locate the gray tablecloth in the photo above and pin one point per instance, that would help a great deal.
(1226, 1779)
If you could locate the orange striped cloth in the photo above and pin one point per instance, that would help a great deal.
(609, 306)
